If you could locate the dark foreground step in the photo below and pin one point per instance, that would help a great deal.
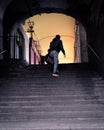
(53, 125)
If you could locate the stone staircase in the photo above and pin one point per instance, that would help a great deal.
(31, 99)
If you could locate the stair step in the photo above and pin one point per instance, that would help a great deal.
(51, 107)
(31, 99)
(50, 126)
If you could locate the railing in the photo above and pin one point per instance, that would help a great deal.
(2, 52)
(98, 57)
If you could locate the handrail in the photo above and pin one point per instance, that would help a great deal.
(95, 53)
(2, 52)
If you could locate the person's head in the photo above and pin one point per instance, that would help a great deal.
(58, 36)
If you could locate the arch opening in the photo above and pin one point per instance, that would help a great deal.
(48, 25)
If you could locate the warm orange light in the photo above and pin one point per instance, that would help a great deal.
(48, 25)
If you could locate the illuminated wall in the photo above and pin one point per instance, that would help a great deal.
(48, 25)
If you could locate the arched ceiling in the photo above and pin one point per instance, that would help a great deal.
(82, 10)
(18, 10)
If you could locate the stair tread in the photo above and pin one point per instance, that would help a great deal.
(53, 125)
(30, 98)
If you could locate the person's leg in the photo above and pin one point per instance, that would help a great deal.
(54, 54)
(55, 62)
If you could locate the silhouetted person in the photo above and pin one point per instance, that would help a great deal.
(56, 46)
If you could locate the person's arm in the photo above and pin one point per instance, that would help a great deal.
(62, 49)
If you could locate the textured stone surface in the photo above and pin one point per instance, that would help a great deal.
(31, 99)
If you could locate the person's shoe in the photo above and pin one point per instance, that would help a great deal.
(55, 74)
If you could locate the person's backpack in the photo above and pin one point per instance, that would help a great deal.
(49, 59)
